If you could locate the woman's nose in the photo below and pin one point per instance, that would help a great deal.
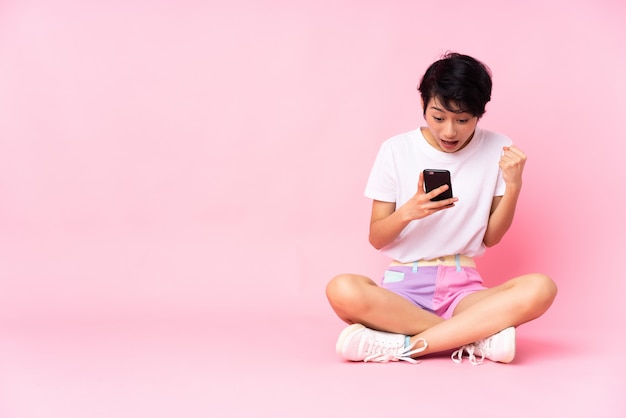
(449, 131)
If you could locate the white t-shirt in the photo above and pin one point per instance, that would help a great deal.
(476, 179)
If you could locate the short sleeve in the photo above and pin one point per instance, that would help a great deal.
(500, 185)
(382, 183)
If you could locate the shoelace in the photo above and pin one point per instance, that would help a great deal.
(385, 354)
(470, 349)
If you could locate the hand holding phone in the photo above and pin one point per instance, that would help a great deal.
(421, 204)
(434, 178)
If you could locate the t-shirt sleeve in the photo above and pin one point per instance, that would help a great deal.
(382, 183)
(500, 185)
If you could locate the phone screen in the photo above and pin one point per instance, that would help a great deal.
(434, 178)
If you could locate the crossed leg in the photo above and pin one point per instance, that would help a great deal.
(357, 299)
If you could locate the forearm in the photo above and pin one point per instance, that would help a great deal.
(384, 231)
(502, 216)
(388, 221)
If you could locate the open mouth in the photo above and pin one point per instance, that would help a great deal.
(449, 144)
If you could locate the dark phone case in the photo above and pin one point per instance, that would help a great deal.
(434, 178)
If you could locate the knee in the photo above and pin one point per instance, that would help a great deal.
(541, 291)
(339, 287)
(343, 290)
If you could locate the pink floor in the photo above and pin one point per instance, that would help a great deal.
(222, 365)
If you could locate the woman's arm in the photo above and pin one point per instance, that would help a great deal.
(503, 207)
(387, 223)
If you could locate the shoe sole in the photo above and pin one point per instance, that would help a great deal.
(346, 336)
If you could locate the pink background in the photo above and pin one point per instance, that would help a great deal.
(188, 166)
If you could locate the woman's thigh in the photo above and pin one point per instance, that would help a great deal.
(358, 299)
(529, 295)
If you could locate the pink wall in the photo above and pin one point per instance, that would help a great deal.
(178, 156)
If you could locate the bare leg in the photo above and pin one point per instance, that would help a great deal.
(487, 312)
(357, 299)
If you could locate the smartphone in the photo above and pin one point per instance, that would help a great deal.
(434, 178)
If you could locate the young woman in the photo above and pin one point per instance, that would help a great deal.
(432, 298)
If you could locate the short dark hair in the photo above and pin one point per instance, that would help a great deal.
(460, 82)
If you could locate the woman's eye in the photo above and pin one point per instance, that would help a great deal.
(462, 120)
(438, 119)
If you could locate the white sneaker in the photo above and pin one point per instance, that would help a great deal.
(499, 347)
(358, 343)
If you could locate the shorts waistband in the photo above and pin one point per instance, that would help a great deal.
(448, 260)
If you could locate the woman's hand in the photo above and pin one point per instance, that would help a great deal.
(421, 205)
(387, 223)
(512, 165)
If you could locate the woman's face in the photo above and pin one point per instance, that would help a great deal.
(448, 131)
